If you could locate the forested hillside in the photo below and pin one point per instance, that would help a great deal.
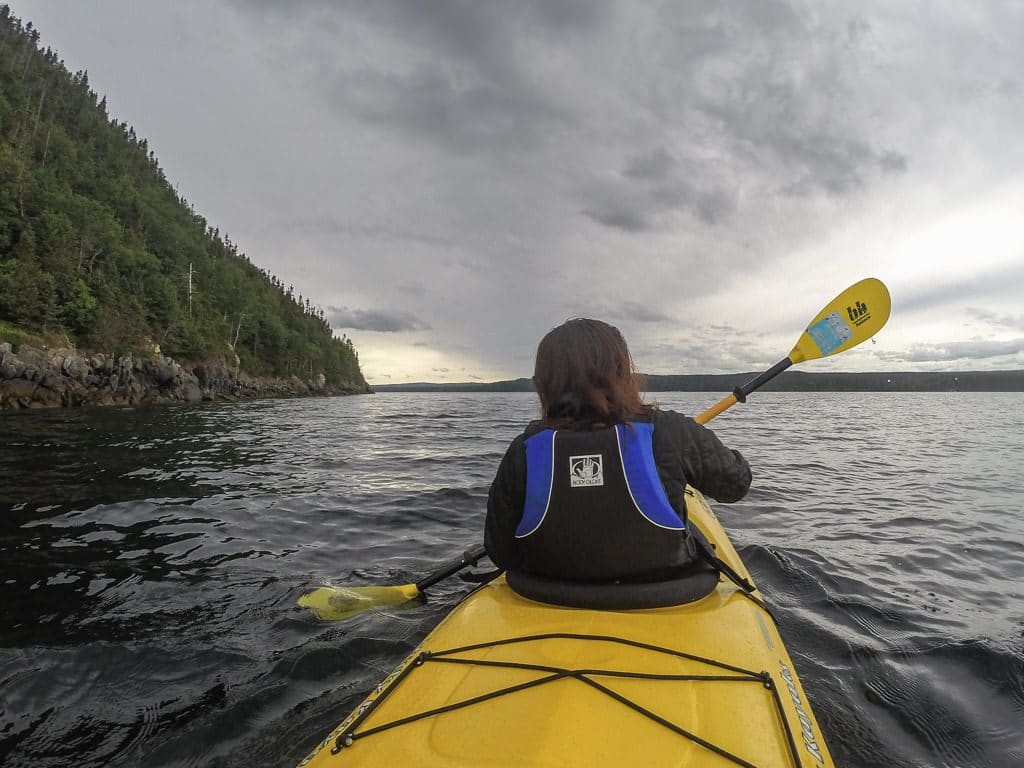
(98, 250)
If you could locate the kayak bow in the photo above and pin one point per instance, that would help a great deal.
(507, 681)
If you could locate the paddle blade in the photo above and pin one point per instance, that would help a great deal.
(336, 603)
(854, 316)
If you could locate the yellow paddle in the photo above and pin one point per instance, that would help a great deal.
(335, 603)
(855, 315)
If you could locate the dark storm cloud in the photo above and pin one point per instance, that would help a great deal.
(777, 125)
(1002, 320)
(338, 226)
(629, 216)
(480, 29)
(893, 163)
(829, 163)
(623, 311)
(733, 97)
(641, 313)
(935, 294)
(476, 117)
(655, 165)
(466, 76)
(387, 321)
(650, 190)
(755, 105)
(956, 350)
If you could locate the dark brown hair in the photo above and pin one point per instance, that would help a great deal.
(584, 372)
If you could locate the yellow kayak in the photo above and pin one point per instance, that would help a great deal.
(508, 681)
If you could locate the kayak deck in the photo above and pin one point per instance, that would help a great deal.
(506, 681)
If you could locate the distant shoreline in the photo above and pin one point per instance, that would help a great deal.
(790, 381)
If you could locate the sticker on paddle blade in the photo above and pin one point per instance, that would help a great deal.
(830, 333)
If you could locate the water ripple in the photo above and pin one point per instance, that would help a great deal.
(151, 559)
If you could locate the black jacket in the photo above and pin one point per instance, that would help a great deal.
(685, 453)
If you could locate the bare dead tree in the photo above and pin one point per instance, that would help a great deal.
(46, 146)
(238, 329)
(39, 110)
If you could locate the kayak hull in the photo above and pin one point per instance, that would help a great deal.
(507, 681)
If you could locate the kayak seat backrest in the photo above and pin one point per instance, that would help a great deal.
(699, 581)
(619, 596)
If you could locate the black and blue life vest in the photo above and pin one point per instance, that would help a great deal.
(596, 509)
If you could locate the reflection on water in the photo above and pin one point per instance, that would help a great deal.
(151, 559)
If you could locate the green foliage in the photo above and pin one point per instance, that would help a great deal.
(95, 243)
(27, 294)
(77, 305)
(17, 336)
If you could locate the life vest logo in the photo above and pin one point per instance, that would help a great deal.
(586, 470)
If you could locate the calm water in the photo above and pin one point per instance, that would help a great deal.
(150, 561)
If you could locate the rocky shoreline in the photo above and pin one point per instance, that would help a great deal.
(44, 377)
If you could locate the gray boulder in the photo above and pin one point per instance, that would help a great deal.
(192, 393)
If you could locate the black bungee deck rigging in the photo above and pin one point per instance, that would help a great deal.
(586, 676)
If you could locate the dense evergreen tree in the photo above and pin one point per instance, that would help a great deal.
(96, 244)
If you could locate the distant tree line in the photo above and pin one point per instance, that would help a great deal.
(790, 381)
(96, 245)
(803, 381)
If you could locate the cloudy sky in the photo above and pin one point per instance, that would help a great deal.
(450, 179)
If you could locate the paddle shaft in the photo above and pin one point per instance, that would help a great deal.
(469, 558)
(739, 395)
